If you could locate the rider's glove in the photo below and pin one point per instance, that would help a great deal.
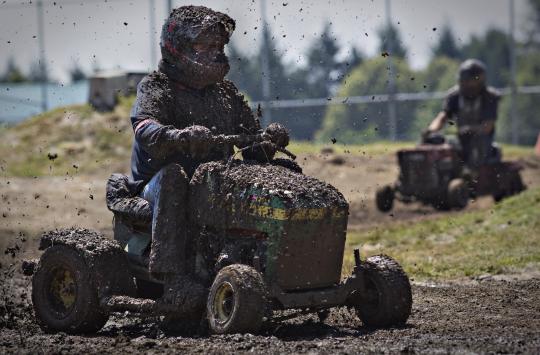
(277, 134)
(197, 140)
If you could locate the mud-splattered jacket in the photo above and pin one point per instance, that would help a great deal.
(163, 105)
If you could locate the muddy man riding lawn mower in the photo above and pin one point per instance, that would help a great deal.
(266, 238)
(434, 173)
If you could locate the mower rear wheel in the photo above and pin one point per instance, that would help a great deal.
(237, 300)
(64, 294)
(388, 298)
(385, 198)
(458, 194)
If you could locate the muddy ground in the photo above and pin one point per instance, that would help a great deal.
(480, 316)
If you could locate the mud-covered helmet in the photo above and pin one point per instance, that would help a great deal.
(186, 27)
(472, 77)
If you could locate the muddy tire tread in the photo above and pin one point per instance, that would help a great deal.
(251, 292)
(397, 299)
(384, 198)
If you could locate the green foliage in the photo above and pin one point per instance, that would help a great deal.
(533, 25)
(500, 240)
(527, 106)
(367, 122)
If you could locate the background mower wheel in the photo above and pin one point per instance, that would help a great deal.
(458, 194)
(237, 300)
(385, 198)
(64, 294)
(388, 297)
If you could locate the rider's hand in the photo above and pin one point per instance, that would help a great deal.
(200, 141)
(277, 134)
(426, 133)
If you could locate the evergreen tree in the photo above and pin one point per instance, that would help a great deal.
(76, 73)
(242, 72)
(37, 73)
(533, 25)
(324, 69)
(447, 47)
(493, 48)
(13, 74)
(390, 42)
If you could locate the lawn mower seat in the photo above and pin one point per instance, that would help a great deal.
(127, 207)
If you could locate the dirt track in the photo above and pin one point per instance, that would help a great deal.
(34, 205)
(486, 316)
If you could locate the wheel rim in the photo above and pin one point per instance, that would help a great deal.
(62, 292)
(223, 305)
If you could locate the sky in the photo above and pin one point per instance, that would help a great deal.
(114, 34)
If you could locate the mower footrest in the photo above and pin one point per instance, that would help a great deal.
(131, 304)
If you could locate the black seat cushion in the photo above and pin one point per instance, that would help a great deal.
(122, 200)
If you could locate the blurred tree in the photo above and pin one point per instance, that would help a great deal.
(13, 74)
(242, 72)
(528, 106)
(493, 48)
(355, 58)
(357, 123)
(440, 75)
(36, 74)
(76, 73)
(324, 69)
(390, 35)
(446, 46)
(533, 25)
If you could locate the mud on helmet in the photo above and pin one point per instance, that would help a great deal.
(190, 25)
(472, 78)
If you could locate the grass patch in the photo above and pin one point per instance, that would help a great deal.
(382, 147)
(495, 241)
(387, 147)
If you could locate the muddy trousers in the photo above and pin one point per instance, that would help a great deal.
(477, 149)
(167, 192)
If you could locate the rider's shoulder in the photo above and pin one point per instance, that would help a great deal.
(155, 79)
(228, 85)
(453, 92)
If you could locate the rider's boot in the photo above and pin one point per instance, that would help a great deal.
(168, 253)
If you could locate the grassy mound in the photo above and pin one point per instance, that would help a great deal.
(503, 239)
(67, 140)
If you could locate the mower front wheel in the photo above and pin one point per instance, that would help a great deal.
(387, 300)
(384, 198)
(237, 300)
(458, 194)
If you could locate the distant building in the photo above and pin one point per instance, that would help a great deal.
(105, 87)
